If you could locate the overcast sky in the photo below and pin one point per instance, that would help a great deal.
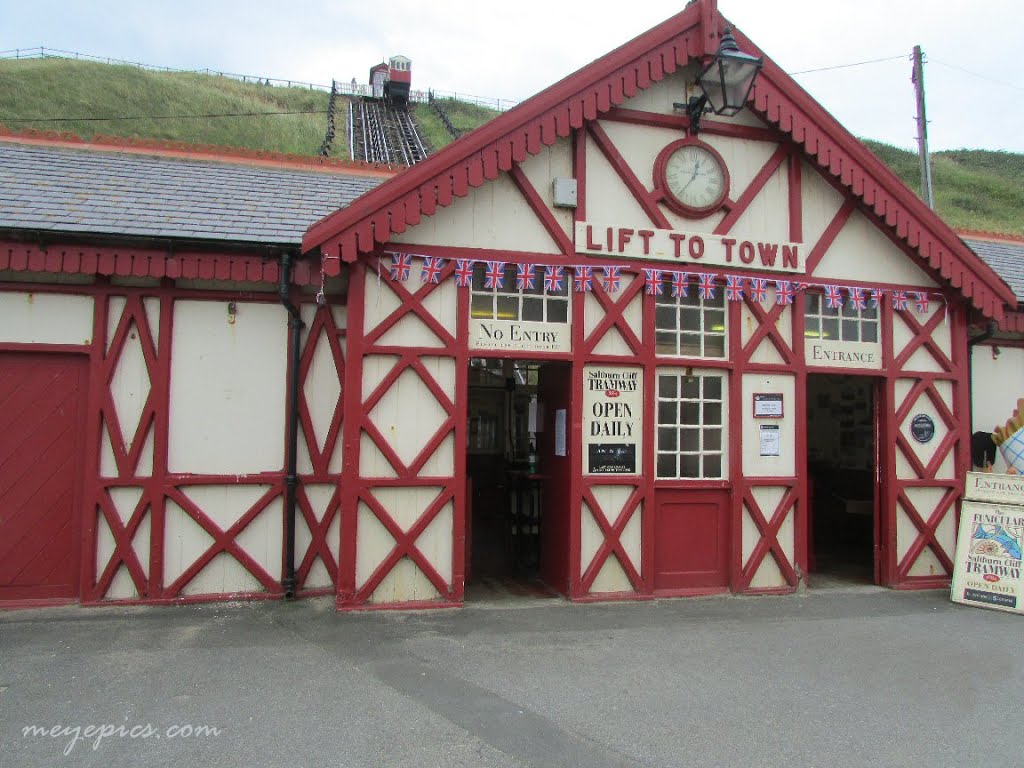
(513, 50)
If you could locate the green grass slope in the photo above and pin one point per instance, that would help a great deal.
(167, 105)
(974, 188)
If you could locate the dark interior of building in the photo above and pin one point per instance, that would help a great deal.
(841, 468)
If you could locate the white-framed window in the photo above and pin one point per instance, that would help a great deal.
(537, 304)
(846, 323)
(689, 326)
(691, 438)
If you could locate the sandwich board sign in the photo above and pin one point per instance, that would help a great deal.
(987, 568)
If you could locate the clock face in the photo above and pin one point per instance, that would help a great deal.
(693, 177)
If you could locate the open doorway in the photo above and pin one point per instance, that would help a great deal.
(518, 475)
(841, 465)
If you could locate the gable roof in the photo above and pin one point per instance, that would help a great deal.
(59, 189)
(483, 154)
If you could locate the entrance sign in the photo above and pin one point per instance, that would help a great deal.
(518, 335)
(612, 419)
(987, 571)
(688, 250)
(827, 353)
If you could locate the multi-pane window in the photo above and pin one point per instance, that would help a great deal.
(537, 304)
(846, 323)
(689, 326)
(691, 426)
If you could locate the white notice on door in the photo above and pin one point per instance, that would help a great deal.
(560, 432)
(771, 440)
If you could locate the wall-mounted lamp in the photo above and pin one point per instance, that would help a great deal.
(725, 83)
(995, 352)
(232, 312)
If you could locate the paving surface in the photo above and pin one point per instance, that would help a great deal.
(833, 678)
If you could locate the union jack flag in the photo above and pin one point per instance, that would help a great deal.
(653, 279)
(706, 283)
(494, 277)
(758, 289)
(921, 302)
(733, 288)
(432, 267)
(899, 300)
(784, 292)
(526, 278)
(464, 272)
(876, 297)
(401, 263)
(584, 280)
(553, 279)
(680, 284)
(612, 278)
(857, 298)
(833, 298)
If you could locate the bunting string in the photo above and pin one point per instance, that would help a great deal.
(610, 278)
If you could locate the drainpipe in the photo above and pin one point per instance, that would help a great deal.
(291, 479)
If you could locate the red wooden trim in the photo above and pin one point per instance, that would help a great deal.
(542, 212)
(644, 198)
(923, 336)
(579, 172)
(126, 260)
(351, 432)
(735, 445)
(612, 543)
(769, 541)
(73, 349)
(614, 317)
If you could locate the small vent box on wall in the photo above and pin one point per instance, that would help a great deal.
(564, 192)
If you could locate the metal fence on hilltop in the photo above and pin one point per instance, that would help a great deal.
(350, 88)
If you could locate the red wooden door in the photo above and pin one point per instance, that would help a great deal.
(41, 409)
(691, 541)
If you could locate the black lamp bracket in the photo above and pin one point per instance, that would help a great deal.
(695, 109)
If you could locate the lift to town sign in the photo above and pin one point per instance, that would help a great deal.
(689, 250)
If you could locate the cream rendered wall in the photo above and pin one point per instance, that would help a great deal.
(45, 318)
(997, 381)
(227, 392)
(861, 252)
(496, 215)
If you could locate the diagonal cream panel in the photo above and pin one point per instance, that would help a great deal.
(184, 541)
(443, 304)
(861, 252)
(375, 543)
(820, 203)
(263, 538)
(923, 406)
(375, 370)
(130, 385)
(542, 169)
(223, 575)
(408, 415)
(608, 199)
(590, 537)
(767, 216)
(768, 574)
(493, 216)
(373, 463)
(381, 299)
(404, 583)
(661, 97)
(322, 388)
(612, 577)
(436, 542)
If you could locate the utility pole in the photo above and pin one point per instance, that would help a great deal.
(922, 129)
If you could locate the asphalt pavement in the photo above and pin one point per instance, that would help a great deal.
(820, 678)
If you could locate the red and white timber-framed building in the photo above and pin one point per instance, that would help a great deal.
(684, 444)
(751, 440)
(144, 372)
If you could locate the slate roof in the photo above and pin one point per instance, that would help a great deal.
(1006, 258)
(61, 189)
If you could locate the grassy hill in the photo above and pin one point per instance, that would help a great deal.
(974, 189)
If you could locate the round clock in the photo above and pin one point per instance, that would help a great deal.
(692, 177)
